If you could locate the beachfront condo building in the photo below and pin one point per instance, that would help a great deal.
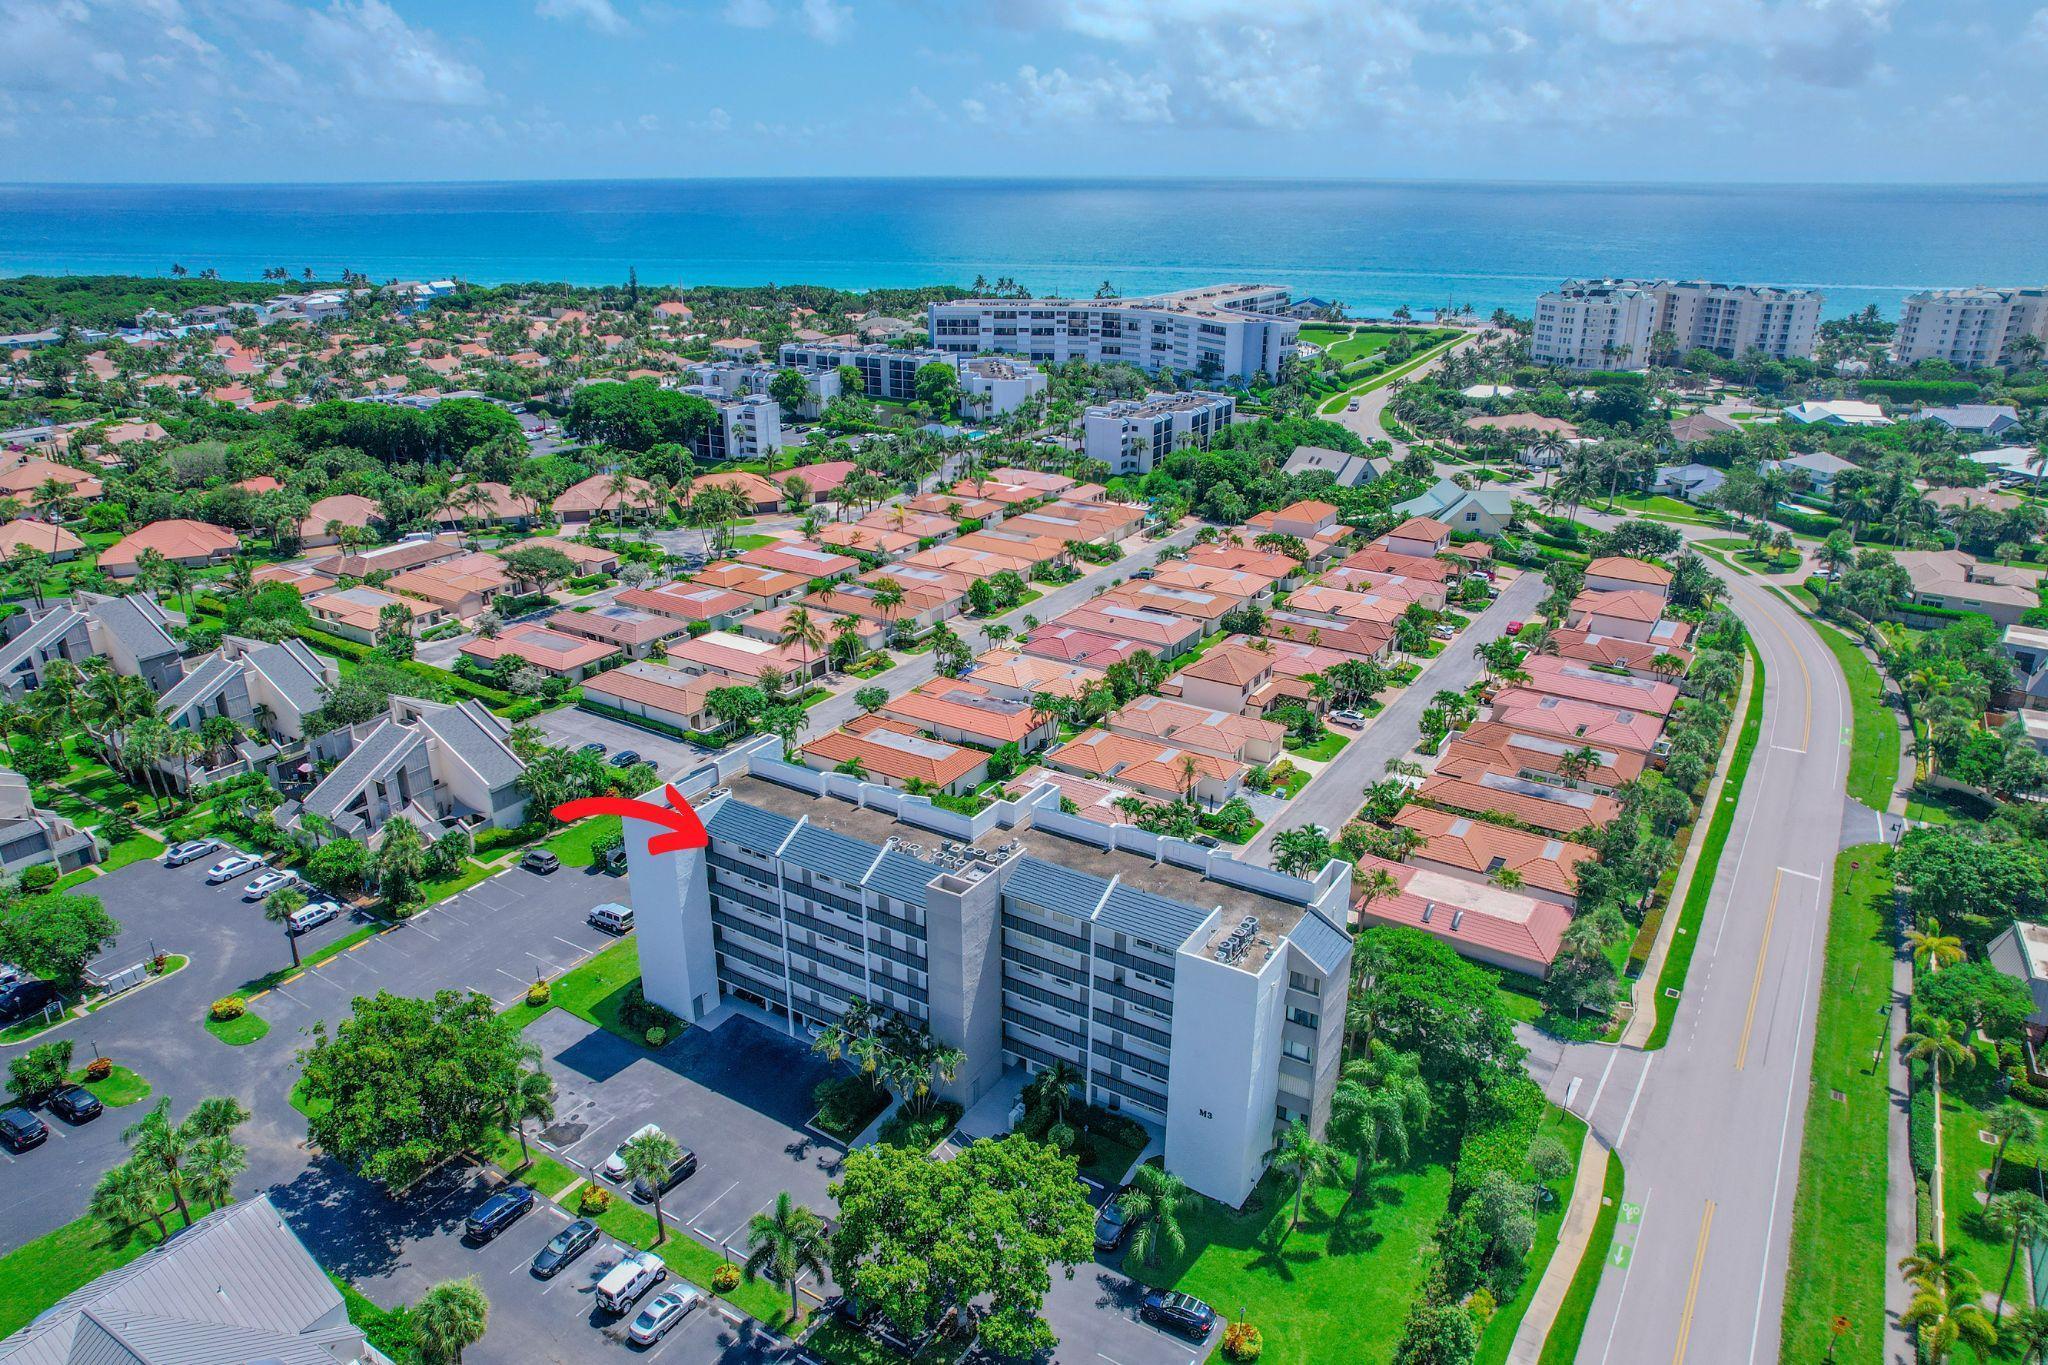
(1972, 328)
(991, 385)
(1619, 324)
(1201, 996)
(888, 372)
(1228, 331)
(1594, 325)
(1132, 435)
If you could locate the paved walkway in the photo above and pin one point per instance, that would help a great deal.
(1573, 1237)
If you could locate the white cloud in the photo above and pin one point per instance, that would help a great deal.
(1107, 95)
(826, 20)
(381, 57)
(715, 120)
(599, 14)
(2037, 29)
(749, 13)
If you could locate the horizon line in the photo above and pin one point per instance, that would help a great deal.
(1091, 180)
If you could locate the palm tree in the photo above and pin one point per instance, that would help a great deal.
(1931, 1264)
(449, 1318)
(164, 1152)
(2005, 1123)
(279, 910)
(1303, 1155)
(799, 631)
(784, 1245)
(533, 1097)
(1054, 1087)
(1151, 1208)
(1947, 1314)
(125, 1198)
(648, 1158)
(215, 1163)
(1930, 945)
(2028, 1330)
(2024, 1216)
(1936, 1043)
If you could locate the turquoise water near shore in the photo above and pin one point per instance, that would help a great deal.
(1372, 245)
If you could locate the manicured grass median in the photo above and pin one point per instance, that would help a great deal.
(1561, 1347)
(1874, 744)
(1838, 1219)
(594, 992)
(239, 1032)
(122, 1087)
(690, 1259)
(575, 845)
(1687, 934)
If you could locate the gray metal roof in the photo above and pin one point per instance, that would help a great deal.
(204, 681)
(1053, 887)
(294, 671)
(836, 855)
(751, 827)
(138, 622)
(369, 757)
(902, 876)
(45, 630)
(236, 1286)
(476, 736)
(1155, 919)
(1322, 942)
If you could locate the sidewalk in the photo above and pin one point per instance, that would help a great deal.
(1902, 1203)
(1572, 1237)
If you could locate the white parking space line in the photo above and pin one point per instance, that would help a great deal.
(415, 923)
(693, 1223)
(572, 947)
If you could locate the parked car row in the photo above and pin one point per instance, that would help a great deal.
(268, 881)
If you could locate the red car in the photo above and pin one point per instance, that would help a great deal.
(1514, 627)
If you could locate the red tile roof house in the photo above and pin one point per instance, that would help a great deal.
(1632, 615)
(1093, 800)
(1037, 480)
(585, 502)
(1373, 559)
(1556, 810)
(24, 480)
(1004, 541)
(1149, 768)
(957, 508)
(1566, 678)
(358, 613)
(1226, 734)
(763, 587)
(485, 502)
(1168, 636)
(1617, 573)
(769, 625)
(559, 656)
(1473, 850)
(1305, 520)
(179, 540)
(689, 602)
(924, 604)
(961, 712)
(1393, 587)
(736, 656)
(1073, 645)
(54, 542)
(632, 632)
(866, 539)
(305, 579)
(823, 479)
(1209, 606)
(895, 754)
(1246, 559)
(1537, 713)
(760, 494)
(1342, 605)
(1490, 747)
(903, 521)
(1500, 928)
(463, 595)
(1225, 678)
(970, 564)
(1631, 656)
(1177, 573)
(323, 518)
(794, 556)
(653, 692)
(1367, 638)
(588, 559)
(1424, 537)
(1021, 677)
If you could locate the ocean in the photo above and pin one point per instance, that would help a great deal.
(1370, 245)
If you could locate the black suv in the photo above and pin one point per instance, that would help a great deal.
(1183, 1313)
(497, 1213)
(76, 1105)
(21, 1130)
(24, 998)
(679, 1170)
(568, 1244)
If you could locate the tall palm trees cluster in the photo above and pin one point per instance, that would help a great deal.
(172, 1165)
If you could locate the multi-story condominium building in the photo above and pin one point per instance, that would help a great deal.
(1133, 434)
(1972, 328)
(747, 428)
(735, 378)
(1734, 319)
(992, 385)
(1201, 996)
(1594, 325)
(886, 371)
(1226, 331)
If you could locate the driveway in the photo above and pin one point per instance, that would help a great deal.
(1336, 793)
(572, 729)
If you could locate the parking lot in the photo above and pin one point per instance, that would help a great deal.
(573, 728)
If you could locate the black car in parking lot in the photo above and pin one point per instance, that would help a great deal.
(24, 998)
(1182, 1313)
(679, 1170)
(571, 1242)
(497, 1213)
(594, 747)
(625, 758)
(1111, 1227)
(76, 1105)
(21, 1130)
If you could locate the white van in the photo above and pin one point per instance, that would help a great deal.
(635, 1274)
(613, 918)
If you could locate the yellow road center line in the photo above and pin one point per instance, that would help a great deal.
(1805, 677)
(1756, 985)
(1692, 1288)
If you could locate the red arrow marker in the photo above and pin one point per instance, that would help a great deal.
(685, 830)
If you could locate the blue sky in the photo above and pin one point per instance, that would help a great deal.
(1747, 90)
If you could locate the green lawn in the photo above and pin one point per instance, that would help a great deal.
(1339, 1288)
(239, 1032)
(594, 992)
(37, 1274)
(1385, 377)
(1322, 751)
(1966, 1165)
(742, 544)
(1561, 1346)
(135, 849)
(1874, 747)
(574, 845)
(1344, 344)
(537, 1169)
(1499, 1334)
(121, 1088)
(1686, 936)
(469, 874)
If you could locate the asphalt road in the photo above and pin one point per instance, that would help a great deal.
(1709, 1128)
(1336, 792)
(829, 715)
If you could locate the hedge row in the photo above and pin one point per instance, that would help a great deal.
(1500, 1141)
(351, 650)
(1920, 390)
(1807, 523)
(644, 722)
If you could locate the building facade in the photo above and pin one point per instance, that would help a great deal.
(993, 385)
(1134, 434)
(1201, 996)
(1734, 319)
(886, 371)
(1231, 331)
(1971, 328)
(1594, 325)
(748, 427)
